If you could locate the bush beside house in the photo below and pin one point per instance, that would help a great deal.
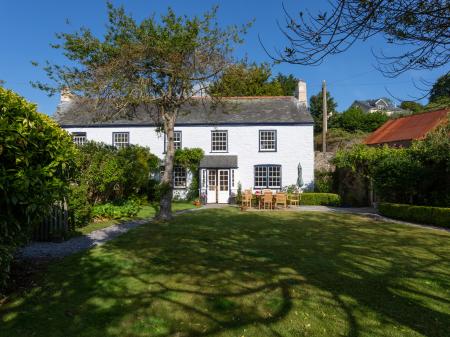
(110, 176)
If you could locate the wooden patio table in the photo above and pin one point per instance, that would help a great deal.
(257, 198)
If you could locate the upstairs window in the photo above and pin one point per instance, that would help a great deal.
(121, 139)
(219, 141)
(79, 138)
(177, 136)
(267, 140)
(267, 176)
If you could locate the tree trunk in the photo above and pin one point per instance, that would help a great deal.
(166, 184)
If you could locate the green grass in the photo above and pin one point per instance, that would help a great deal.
(225, 273)
(146, 211)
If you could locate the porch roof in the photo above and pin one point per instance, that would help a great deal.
(219, 161)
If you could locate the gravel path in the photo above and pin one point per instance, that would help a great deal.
(52, 250)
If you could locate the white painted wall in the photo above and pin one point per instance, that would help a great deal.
(294, 146)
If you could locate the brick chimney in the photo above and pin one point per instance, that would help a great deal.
(300, 93)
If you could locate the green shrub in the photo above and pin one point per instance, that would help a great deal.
(325, 199)
(79, 207)
(114, 174)
(126, 209)
(354, 119)
(36, 163)
(323, 181)
(439, 216)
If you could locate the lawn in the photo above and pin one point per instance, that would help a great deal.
(220, 272)
(146, 211)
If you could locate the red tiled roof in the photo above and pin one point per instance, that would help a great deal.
(407, 128)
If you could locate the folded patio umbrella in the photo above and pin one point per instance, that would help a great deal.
(299, 173)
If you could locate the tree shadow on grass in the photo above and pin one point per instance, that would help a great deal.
(223, 273)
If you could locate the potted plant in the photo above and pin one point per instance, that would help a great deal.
(197, 202)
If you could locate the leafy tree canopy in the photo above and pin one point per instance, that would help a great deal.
(412, 106)
(354, 119)
(316, 108)
(288, 83)
(244, 79)
(440, 89)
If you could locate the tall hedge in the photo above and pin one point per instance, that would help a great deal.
(419, 174)
(36, 162)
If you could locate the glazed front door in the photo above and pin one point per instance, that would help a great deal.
(223, 193)
(212, 187)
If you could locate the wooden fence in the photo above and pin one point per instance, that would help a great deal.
(55, 226)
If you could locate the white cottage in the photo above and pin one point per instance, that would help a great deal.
(259, 142)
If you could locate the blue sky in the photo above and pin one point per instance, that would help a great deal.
(27, 28)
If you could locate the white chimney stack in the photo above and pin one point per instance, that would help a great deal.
(300, 93)
(66, 95)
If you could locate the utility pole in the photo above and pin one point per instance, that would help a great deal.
(324, 117)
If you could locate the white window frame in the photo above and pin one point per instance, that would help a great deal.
(232, 178)
(203, 178)
(120, 139)
(79, 138)
(263, 176)
(179, 177)
(264, 140)
(222, 143)
(177, 140)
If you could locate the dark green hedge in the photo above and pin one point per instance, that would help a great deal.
(325, 199)
(439, 216)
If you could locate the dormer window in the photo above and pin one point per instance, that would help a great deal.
(79, 138)
(121, 139)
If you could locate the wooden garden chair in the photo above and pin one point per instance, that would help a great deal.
(294, 199)
(281, 199)
(267, 199)
(246, 199)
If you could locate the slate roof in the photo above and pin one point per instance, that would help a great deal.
(219, 161)
(407, 128)
(232, 110)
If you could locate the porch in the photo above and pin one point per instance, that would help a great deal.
(218, 178)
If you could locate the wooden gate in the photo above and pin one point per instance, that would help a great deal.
(55, 226)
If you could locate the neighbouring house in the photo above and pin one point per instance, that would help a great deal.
(400, 132)
(380, 104)
(259, 142)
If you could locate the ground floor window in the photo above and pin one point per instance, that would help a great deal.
(179, 177)
(267, 176)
